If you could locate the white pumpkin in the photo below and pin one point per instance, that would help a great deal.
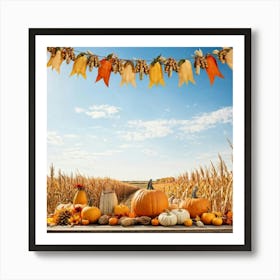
(108, 200)
(182, 215)
(167, 219)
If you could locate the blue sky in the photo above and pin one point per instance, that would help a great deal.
(138, 133)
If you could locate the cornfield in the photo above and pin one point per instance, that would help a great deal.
(214, 183)
(61, 188)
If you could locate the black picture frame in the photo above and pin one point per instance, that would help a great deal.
(246, 32)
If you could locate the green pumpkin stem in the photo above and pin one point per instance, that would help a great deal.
(150, 185)
(194, 191)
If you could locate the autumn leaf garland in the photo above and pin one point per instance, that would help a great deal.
(128, 70)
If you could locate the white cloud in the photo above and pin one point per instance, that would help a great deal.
(147, 129)
(54, 139)
(79, 110)
(103, 111)
(207, 120)
(141, 130)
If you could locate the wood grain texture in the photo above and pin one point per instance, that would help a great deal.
(139, 228)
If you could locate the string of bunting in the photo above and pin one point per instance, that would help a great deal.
(128, 68)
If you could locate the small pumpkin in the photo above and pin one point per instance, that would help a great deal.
(155, 222)
(182, 215)
(113, 221)
(149, 202)
(91, 213)
(217, 221)
(188, 222)
(207, 218)
(196, 205)
(108, 200)
(85, 222)
(167, 219)
(80, 196)
(121, 210)
(131, 215)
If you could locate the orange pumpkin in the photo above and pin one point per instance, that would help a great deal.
(149, 202)
(113, 221)
(155, 222)
(131, 215)
(207, 218)
(121, 210)
(91, 213)
(196, 205)
(217, 221)
(188, 222)
(85, 222)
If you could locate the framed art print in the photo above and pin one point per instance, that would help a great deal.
(140, 139)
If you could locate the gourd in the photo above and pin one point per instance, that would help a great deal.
(196, 205)
(104, 220)
(155, 222)
(108, 200)
(91, 213)
(217, 221)
(80, 196)
(188, 222)
(128, 222)
(182, 215)
(167, 219)
(207, 218)
(121, 210)
(149, 202)
(113, 221)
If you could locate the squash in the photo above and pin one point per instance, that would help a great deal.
(149, 202)
(113, 221)
(196, 205)
(80, 196)
(104, 220)
(182, 215)
(188, 222)
(108, 200)
(217, 221)
(131, 215)
(144, 220)
(167, 219)
(207, 218)
(91, 213)
(155, 222)
(85, 222)
(126, 222)
(121, 210)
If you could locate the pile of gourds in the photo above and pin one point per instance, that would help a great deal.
(148, 207)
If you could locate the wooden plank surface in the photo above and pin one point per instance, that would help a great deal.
(139, 228)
